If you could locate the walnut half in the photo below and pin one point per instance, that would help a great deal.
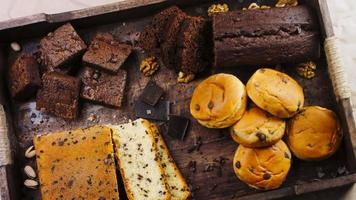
(149, 66)
(185, 78)
(307, 70)
(283, 3)
(255, 6)
(217, 8)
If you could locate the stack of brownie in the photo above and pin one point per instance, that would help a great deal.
(179, 39)
(100, 79)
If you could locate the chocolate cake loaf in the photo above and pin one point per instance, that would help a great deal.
(191, 44)
(263, 37)
(151, 38)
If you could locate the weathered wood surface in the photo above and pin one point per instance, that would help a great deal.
(216, 143)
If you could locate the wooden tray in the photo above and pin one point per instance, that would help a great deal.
(126, 19)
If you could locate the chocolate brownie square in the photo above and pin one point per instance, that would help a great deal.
(59, 95)
(60, 47)
(106, 53)
(103, 88)
(24, 77)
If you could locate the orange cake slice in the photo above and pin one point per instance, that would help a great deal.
(77, 164)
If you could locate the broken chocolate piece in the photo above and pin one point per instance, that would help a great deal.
(152, 93)
(158, 112)
(178, 126)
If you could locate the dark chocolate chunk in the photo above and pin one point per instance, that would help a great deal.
(266, 176)
(192, 165)
(238, 164)
(152, 93)
(178, 126)
(261, 136)
(158, 112)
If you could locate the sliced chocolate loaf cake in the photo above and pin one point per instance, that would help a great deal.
(264, 37)
(151, 38)
(169, 38)
(191, 44)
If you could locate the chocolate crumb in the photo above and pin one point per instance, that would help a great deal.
(238, 165)
(192, 165)
(210, 105)
(197, 107)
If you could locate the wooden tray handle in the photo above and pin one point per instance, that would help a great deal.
(336, 68)
(5, 151)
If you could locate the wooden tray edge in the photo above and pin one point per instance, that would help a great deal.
(6, 172)
(77, 14)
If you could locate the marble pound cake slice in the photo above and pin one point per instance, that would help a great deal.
(77, 164)
(136, 153)
(177, 185)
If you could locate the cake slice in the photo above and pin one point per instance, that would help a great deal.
(169, 38)
(191, 44)
(136, 152)
(177, 185)
(24, 77)
(77, 164)
(151, 38)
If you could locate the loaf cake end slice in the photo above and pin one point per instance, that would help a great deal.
(77, 164)
(136, 153)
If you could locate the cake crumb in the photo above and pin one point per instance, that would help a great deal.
(307, 70)
(93, 118)
(217, 8)
(185, 78)
(283, 3)
(149, 66)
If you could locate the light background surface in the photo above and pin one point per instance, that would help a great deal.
(343, 18)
